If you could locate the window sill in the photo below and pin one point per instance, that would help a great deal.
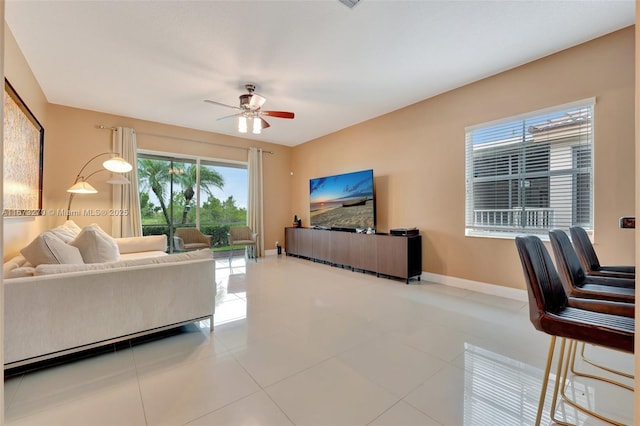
(544, 235)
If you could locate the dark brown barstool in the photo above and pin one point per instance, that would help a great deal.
(602, 323)
(589, 259)
(578, 284)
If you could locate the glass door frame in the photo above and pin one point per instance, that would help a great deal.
(173, 157)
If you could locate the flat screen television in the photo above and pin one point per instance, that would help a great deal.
(344, 201)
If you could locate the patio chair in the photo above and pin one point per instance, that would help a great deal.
(243, 236)
(186, 239)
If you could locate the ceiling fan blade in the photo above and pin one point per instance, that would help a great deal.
(264, 123)
(229, 116)
(221, 104)
(256, 101)
(278, 114)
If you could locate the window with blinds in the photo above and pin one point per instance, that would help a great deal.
(531, 173)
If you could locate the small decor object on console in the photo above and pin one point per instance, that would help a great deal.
(404, 231)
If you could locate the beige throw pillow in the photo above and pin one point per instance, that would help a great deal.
(67, 231)
(95, 245)
(25, 271)
(49, 248)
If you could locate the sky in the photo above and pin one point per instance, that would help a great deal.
(235, 183)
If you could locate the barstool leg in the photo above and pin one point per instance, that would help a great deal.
(559, 382)
(545, 380)
(602, 367)
(564, 367)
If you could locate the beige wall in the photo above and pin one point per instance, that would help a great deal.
(15, 230)
(418, 157)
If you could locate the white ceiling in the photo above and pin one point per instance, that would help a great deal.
(331, 65)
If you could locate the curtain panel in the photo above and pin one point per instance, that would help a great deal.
(127, 219)
(255, 219)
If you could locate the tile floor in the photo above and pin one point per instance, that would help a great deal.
(300, 343)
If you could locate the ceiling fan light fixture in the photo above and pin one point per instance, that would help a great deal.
(245, 101)
(256, 101)
(250, 112)
(242, 124)
(257, 126)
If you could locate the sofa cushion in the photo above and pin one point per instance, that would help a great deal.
(192, 255)
(95, 245)
(141, 244)
(67, 231)
(49, 248)
(13, 263)
(58, 269)
(24, 271)
(61, 269)
(142, 254)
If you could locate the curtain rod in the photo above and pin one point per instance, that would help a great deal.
(103, 127)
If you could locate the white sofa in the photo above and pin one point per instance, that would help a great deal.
(56, 309)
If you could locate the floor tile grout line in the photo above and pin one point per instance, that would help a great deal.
(395, 404)
(279, 407)
(223, 406)
(19, 385)
(135, 363)
(261, 389)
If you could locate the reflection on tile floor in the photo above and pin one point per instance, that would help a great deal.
(299, 343)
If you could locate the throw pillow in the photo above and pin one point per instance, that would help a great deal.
(95, 245)
(12, 264)
(67, 231)
(49, 248)
(25, 271)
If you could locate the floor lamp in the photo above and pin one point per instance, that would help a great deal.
(115, 164)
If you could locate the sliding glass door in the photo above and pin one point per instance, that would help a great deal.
(177, 192)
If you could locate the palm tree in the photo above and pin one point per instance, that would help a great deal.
(208, 178)
(154, 175)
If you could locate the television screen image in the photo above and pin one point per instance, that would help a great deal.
(343, 201)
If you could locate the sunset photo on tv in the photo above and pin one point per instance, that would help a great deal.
(343, 201)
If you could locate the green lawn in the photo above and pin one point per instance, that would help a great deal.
(227, 248)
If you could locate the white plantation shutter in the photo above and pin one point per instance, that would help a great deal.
(531, 173)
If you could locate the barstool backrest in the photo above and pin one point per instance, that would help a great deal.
(546, 293)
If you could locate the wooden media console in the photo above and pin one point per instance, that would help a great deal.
(382, 254)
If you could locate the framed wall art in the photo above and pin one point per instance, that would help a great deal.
(23, 157)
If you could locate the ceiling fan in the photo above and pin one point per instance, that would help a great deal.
(251, 112)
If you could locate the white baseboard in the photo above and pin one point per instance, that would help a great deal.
(492, 289)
